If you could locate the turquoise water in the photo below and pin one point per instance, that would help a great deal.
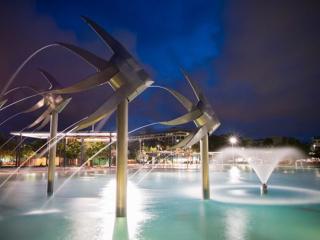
(166, 204)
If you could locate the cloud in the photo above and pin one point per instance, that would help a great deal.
(268, 68)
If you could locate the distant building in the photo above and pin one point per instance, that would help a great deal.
(157, 140)
(172, 136)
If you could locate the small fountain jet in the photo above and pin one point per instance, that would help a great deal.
(122, 72)
(262, 160)
(200, 113)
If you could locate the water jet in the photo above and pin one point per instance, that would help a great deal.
(264, 188)
(262, 160)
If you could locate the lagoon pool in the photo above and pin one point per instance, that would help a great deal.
(163, 204)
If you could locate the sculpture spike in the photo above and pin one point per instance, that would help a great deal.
(188, 117)
(44, 123)
(35, 107)
(3, 102)
(197, 136)
(184, 142)
(101, 124)
(92, 81)
(115, 45)
(182, 99)
(95, 61)
(106, 109)
(51, 80)
(196, 90)
(44, 115)
(62, 105)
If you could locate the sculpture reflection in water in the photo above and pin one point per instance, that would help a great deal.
(120, 229)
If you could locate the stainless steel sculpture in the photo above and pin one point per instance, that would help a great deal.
(2, 102)
(200, 113)
(206, 122)
(128, 79)
(122, 72)
(55, 104)
(49, 100)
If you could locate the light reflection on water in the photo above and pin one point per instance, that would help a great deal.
(41, 212)
(236, 224)
(234, 174)
(120, 229)
(250, 194)
(135, 212)
(97, 218)
(166, 205)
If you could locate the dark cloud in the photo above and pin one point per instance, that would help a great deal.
(268, 69)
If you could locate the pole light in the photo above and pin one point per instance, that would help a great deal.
(233, 140)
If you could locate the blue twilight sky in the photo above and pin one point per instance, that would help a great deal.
(257, 61)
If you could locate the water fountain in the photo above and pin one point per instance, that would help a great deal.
(262, 160)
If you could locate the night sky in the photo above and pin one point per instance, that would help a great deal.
(257, 61)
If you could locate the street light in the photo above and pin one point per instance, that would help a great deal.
(234, 171)
(233, 140)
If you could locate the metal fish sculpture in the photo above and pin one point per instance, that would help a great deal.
(200, 113)
(122, 72)
(52, 101)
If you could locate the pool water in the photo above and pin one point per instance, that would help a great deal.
(163, 204)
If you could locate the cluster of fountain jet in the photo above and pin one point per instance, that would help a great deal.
(262, 160)
(128, 79)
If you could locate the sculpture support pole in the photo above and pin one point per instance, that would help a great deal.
(52, 151)
(204, 153)
(18, 151)
(122, 155)
(64, 151)
(110, 151)
(82, 160)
